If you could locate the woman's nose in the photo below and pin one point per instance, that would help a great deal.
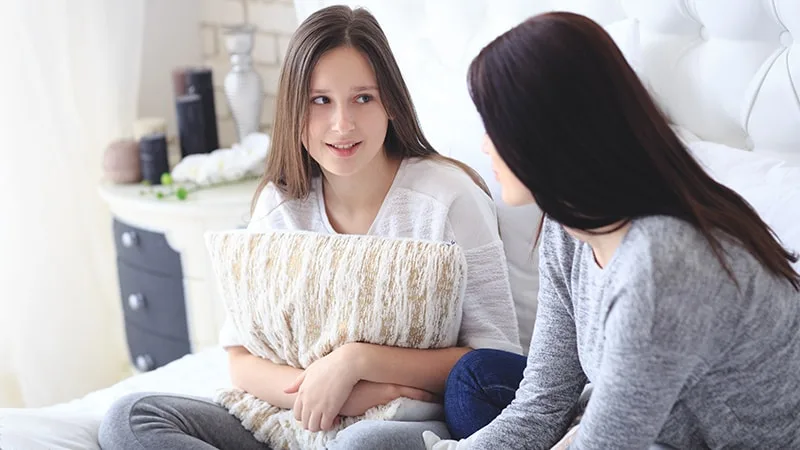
(343, 120)
(485, 144)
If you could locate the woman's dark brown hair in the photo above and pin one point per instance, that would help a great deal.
(289, 166)
(574, 123)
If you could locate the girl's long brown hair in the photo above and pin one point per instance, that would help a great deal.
(577, 127)
(289, 166)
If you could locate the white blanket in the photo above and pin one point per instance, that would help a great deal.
(74, 425)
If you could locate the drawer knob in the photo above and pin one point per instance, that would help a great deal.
(129, 239)
(136, 301)
(144, 363)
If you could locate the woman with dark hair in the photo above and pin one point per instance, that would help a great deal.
(659, 287)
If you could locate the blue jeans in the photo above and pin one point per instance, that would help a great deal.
(482, 383)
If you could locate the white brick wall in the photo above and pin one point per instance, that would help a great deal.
(276, 21)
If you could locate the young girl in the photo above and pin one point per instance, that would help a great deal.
(347, 156)
(660, 286)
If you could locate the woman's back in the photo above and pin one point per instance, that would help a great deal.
(664, 322)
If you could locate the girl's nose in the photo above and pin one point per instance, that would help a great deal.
(343, 122)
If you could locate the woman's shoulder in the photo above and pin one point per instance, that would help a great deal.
(666, 239)
(557, 248)
(673, 254)
(441, 180)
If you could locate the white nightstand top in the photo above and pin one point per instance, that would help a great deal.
(127, 202)
(224, 195)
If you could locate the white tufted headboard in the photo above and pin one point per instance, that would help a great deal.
(726, 70)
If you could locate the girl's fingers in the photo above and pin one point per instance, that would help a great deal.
(327, 421)
(298, 409)
(295, 386)
(314, 420)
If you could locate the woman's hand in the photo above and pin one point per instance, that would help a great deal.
(322, 389)
(434, 442)
(367, 394)
(568, 438)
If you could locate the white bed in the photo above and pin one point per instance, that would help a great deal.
(727, 72)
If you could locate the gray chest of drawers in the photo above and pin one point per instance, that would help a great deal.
(169, 296)
(151, 289)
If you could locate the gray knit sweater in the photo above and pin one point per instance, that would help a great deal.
(677, 354)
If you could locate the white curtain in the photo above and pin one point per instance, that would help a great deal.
(68, 86)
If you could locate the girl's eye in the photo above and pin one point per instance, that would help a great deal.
(364, 98)
(320, 100)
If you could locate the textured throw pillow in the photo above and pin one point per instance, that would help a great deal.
(296, 296)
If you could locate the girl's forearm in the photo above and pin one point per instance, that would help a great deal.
(421, 369)
(262, 378)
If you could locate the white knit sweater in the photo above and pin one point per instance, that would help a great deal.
(428, 200)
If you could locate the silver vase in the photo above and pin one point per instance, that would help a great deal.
(244, 88)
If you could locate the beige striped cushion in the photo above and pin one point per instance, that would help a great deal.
(296, 296)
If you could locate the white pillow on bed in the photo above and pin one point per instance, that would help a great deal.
(625, 34)
(768, 182)
(35, 429)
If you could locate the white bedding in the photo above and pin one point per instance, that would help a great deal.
(74, 425)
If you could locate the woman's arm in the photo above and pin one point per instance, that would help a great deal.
(553, 378)
(422, 369)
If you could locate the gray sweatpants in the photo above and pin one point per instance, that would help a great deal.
(167, 421)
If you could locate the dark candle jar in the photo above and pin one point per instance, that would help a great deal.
(199, 80)
(191, 124)
(153, 157)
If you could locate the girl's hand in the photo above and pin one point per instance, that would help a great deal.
(367, 394)
(322, 389)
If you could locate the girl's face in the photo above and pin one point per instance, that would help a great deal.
(514, 192)
(346, 119)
